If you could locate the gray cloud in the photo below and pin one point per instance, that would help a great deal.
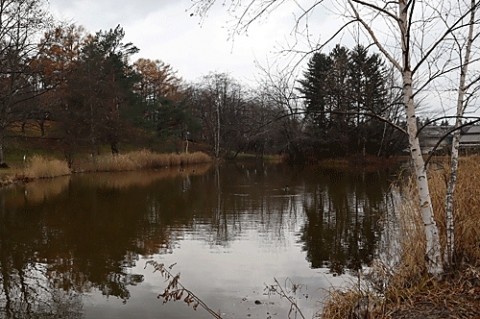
(164, 30)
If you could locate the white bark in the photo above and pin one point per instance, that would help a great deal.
(433, 248)
(461, 105)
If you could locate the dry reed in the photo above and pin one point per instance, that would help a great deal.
(467, 207)
(409, 290)
(145, 159)
(353, 303)
(42, 167)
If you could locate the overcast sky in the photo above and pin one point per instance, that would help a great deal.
(164, 29)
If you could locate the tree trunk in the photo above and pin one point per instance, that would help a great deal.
(217, 129)
(452, 182)
(2, 156)
(432, 237)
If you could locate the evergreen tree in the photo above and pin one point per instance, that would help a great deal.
(315, 91)
(101, 87)
(342, 91)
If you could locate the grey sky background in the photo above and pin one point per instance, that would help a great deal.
(164, 29)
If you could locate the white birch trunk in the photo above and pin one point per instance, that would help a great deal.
(449, 205)
(452, 182)
(433, 248)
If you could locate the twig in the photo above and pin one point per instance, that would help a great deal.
(278, 289)
(175, 290)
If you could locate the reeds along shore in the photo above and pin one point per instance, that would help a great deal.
(406, 290)
(144, 159)
(467, 207)
(43, 167)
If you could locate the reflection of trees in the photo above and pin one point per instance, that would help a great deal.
(26, 289)
(343, 219)
(58, 245)
(246, 197)
(85, 233)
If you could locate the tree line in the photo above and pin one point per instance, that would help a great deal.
(79, 91)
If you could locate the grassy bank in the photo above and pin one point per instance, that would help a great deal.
(38, 166)
(405, 290)
(141, 160)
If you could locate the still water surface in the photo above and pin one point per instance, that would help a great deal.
(77, 247)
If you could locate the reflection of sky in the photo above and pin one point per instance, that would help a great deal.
(229, 279)
(230, 276)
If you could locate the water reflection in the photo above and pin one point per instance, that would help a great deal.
(343, 218)
(65, 239)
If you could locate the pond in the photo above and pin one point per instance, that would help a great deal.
(79, 246)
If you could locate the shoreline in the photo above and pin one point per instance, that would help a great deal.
(40, 167)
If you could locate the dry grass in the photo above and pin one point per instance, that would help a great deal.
(408, 291)
(467, 207)
(42, 167)
(6, 180)
(353, 303)
(144, 159)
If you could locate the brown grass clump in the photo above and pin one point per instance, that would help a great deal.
(467, 207)
(42, 167)
(406, 290)
(145, 159)
(352, 304)
(6, 180)
(467, 212)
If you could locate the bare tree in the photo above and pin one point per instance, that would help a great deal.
(20, 22)
(420, 39)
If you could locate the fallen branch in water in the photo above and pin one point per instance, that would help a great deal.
(279, 290)
(176, 291)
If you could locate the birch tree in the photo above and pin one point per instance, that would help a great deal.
(465, 92)
(420, 39)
